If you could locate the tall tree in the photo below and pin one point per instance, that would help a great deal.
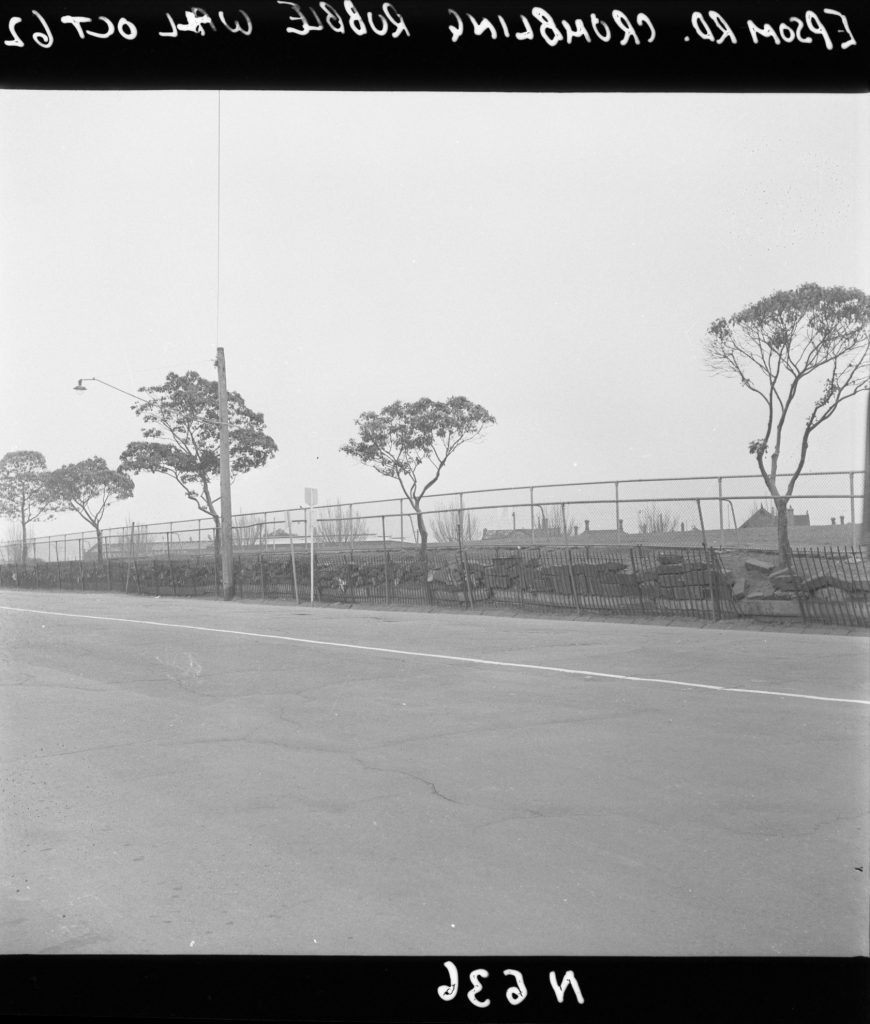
(339, 524)
(452, 526)
(25, 492)
(183, 438)
(411, 443)
(88, 488)
(803, 353)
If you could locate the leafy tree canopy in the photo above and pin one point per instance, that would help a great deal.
(775, 346)
(24, 491)
(412, 441)
(183, 436)
(802, 352)
(25, 494)
(89, 487)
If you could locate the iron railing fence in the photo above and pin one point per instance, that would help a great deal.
(618, 580)
(832, 585)
(556, 574)
(727, 511)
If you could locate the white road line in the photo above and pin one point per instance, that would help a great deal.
(440, 657)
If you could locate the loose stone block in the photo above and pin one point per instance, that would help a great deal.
(757, 565)
(761, 593)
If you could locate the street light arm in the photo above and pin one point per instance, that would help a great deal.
(81, 387)
(142, 401)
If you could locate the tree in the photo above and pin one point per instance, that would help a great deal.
(803, 352)
(341, 526)
(248, 530)
(11, 548)
(136, 541)
(411, 442)
(88, 488)
(652, 519)
(454, 527)
(183, 438)
(25, 494)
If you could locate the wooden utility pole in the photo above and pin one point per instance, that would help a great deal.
(228, 587)
(865, 529)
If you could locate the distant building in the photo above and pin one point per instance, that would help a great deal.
(761, 517)
(523, 536)
(509, 536)
(555, 533)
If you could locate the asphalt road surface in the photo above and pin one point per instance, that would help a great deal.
(192, 776)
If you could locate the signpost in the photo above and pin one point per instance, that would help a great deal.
(311, 502)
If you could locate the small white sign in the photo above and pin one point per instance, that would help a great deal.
(310, 496)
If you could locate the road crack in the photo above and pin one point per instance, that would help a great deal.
(418, 778)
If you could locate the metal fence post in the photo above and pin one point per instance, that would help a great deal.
(634, 571)
(616, 486)
(721, 519)
(569, 562)
(169, 560)
(532, 511)
(292, 557)
(701, 517)
(855, 538)
(386, 558)
(469, 582)
(713, 583)
(127, 574)
(81, 565)
(311, 562)
(730, 504)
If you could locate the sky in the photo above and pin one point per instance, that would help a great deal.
(555, 257)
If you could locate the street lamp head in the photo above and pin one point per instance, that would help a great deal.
(81, 387)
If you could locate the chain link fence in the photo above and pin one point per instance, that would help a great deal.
(722, 512)
(617, 546)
